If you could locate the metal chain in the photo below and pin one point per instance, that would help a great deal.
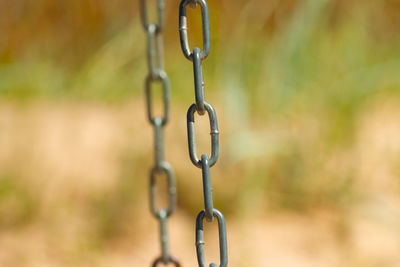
(202, 107)
(161, 166)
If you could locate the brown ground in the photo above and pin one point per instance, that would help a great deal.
(78, 195)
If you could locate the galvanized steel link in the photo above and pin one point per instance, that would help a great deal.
(183, 29)
(198, 81)
(171, 259)
(154, 50)
(166, 169)
(207, 188)
(159, 154)
(192, 138)
(223, 248)
(160, 15)
(163, 78)
(164, 236)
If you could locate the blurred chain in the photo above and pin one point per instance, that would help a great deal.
(202, 107)
(156, 73)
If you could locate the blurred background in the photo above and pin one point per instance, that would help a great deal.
(307, 96)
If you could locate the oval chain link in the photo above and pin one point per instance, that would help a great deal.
(171, 259)
(183, 28)
(164, 167)
(201, 107)
(192, 138)
(223, 249)
(154, 51)
(156, 73)
(163, 78)
(160, 15)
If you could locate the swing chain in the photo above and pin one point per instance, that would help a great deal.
(201, 107)
(156, 73)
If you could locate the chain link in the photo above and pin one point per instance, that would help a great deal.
(156, 73)
(162, 77)
(163, 167)
(154, 51)
(223, 250)
(201, 107)
(183, 28)
(198, 81)
(145, 18)
(192, 138)
(207, 189)
(170, 260)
